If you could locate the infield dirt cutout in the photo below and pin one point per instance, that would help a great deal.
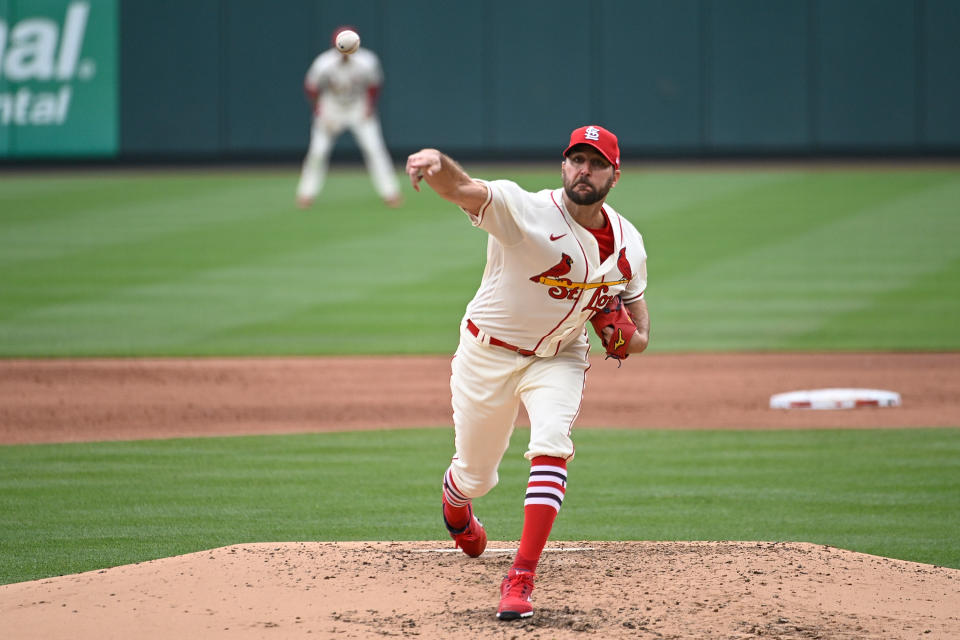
(644, 589)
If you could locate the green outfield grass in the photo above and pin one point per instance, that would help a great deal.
(75, 507)
(211, 262)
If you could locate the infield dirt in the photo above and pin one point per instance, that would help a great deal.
(425, 589)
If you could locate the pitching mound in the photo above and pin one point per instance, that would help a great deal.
(423, 590)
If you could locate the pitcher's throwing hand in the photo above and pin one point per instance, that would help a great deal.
(425, 162)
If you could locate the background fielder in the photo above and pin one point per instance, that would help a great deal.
(343, 89)
(555, 259)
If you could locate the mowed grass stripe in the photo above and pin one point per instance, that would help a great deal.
(77, 507)
(99, 211)
(217, 296)
(222, 270)
(881, 492)
(912, 280)
(222, 263)
(889, 319)
(644, 195)
(692, 239)
(795, 290)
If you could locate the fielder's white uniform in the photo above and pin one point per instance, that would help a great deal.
(542, 283)
(343, 83)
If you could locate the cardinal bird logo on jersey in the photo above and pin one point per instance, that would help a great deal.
(562, 268)
(564, 288)
(624, 265)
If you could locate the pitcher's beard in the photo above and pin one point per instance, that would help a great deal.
(590, 197)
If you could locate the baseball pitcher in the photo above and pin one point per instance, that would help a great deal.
(556, 260)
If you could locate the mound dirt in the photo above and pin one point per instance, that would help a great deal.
(421, 589)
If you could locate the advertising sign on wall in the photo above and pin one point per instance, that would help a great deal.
(58, 78)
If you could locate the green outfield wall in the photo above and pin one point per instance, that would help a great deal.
(222, 79)
(58, 78)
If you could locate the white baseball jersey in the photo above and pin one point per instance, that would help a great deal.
(544, 279)
(343, 81)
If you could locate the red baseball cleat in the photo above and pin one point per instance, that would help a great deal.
(472, 538)
(515, 592)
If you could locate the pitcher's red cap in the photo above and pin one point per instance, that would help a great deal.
(598, 138)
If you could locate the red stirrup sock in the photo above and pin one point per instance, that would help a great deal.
(545, 490)
(456, 506)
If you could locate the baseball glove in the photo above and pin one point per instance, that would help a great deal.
(614, 315)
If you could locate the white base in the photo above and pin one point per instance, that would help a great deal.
(835, 399)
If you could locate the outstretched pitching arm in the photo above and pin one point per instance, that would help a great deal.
(447, 178)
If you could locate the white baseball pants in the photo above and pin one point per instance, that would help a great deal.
(488, 384)
(369, 137)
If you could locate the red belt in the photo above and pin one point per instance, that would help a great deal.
(472, 328)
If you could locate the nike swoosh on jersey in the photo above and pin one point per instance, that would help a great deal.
(554, 238)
